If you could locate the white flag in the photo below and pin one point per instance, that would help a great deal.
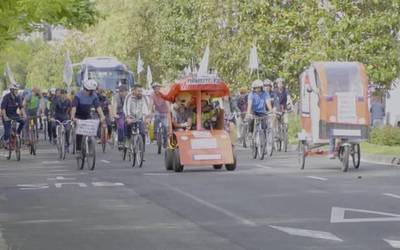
(203, 70)
(139, 64)
(10, 74)
(253, 62)
(149, 77)
(68, 72)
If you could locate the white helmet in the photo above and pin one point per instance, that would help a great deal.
(90, 84)
(257, 84)
(14, 86)
(280, 80)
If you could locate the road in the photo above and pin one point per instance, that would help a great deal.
(269, 204)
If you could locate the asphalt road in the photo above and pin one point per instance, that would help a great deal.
(269, 204)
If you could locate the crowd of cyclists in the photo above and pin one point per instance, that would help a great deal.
(135, 107)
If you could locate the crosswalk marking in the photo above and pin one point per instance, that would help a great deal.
(393, 243)
(392, 195)
(308, 233)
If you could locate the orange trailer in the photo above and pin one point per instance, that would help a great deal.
(333, 104)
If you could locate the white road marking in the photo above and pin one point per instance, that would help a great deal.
(308, 233)
(61, 178)
(157, 174)
(393, 243)
(261, 166)
(317, 178)
(44, 221)
(107, 184)
(392, 195)
(80, 184)
(238, 218)
(33, 186)
(105, 161)
(337, 216)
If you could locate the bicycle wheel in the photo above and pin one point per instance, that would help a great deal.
(80, 159)
(10, 147)
(261, 145)
(124, 152)
(45, 130)
(59, 141)
(356, 155)
(139, 151)
(269, 142)
(132, 151)
(285, 140)
(18, 147)
(344, 153)
(63, 149)
(159, 139)
(72, 137)
(91, 153)
(103, 136)
(301, 155)
(254, 143)
(32, 138)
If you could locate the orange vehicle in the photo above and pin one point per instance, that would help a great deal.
(198, 144)
(334, 105)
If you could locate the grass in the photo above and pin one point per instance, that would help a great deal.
(370, 148)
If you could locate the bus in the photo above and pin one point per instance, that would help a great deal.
(107, 71)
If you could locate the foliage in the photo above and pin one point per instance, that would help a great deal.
(19, 16)
(387, 136)
(294, 127)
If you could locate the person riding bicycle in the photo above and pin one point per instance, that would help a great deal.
(118, 113)
(209, 113)
(281, 95)
(160, 109)
(136, 112)
(50, 100)
(31, 105)
(82, 105)
(12, 108)
(106, 107)
(259, 102)
(61, 112)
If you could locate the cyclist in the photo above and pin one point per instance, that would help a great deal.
(61, 110)
(50, 100)
(31, 104)
(83, 102)
(259, 101)
(160, 109)
(11, 106)
(281, 95)
(106, 107)
(209, 113)
(136, 112)
(118, 112)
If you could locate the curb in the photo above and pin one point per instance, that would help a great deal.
(381, 159)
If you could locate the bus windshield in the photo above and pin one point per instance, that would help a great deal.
(108, 79)
(344, 77)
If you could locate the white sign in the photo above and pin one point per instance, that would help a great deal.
(204, 143)
(346, 107)
(87, 127)
(337, 216)
(201, 134)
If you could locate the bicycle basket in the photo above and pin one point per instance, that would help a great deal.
(87, 127)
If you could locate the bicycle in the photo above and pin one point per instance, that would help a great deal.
(32, 135)
(72, 137)
(103, 137)
(60, 133)
(269, 134)
(258, 142)
(14, 143)
(136, 146)
(114, 135)
(282, 139)
(160, 137)
(45, 127)
(88, 130)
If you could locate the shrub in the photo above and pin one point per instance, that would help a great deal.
(387, 136)
(294, 127)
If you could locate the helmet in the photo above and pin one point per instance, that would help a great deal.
(14, 86)
(52, 91)
(90, 84)
(205, 96)
(184, 98)
(156, 84)
(257, 84)
(280, 80)
(268, 82)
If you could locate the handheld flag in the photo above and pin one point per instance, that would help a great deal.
(203, 70)
(149, 77)
(68, 72)
(10, 74)
(140, 64)
(253, 61)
